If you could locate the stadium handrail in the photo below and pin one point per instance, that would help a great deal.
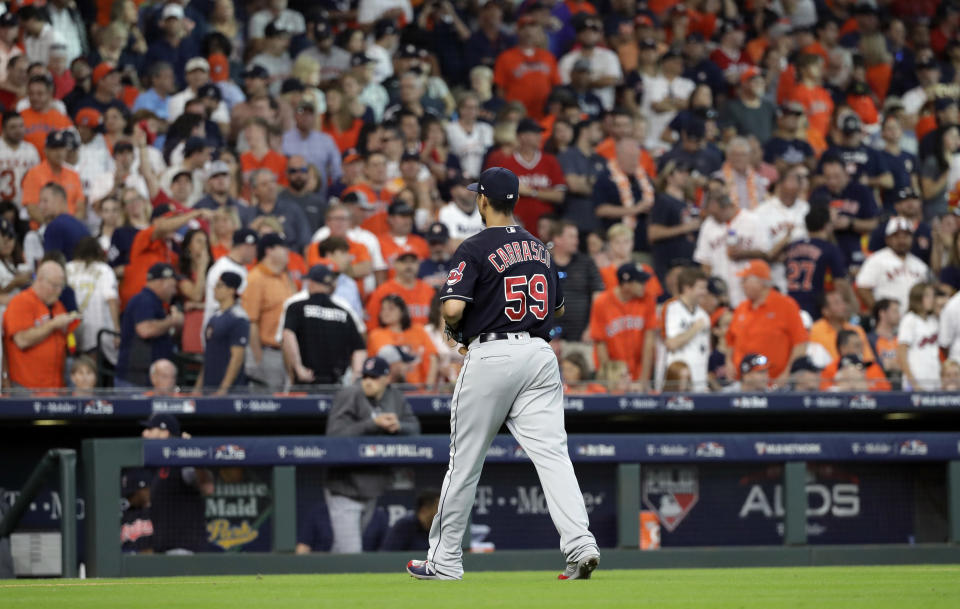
(318, 401)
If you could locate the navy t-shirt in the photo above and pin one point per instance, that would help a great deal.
(121, 242)
(791, 151)
(922, 240)
(807, 263)
(950, 275)
(433, 271)
(63, 233)
(508, 280)
(668, 211)
(856, 201)
(859, 161)
(136, 354)
(605, 192)
(902, 166)
(226, 329)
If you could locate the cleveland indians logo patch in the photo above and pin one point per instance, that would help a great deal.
(456, 274)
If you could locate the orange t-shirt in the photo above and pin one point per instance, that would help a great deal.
(823, 333)
(377, 224)
(297, 268)
(37, 125)
(874, 373)
(622, 327)
(263, 301)
(414, 338)
(273, 160)
(773, 328)
(219, 251)
(391, 249)
(925, 124)
(144, 253)
(527, 76)
(38, 176)
(418, 301)
(358, 253)
(879, 77)
(652, 289)
(608, 150)
(819, 106)
(344, 139)
(886, 351)
(39, 366)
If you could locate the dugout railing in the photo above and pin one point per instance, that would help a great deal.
(104, 459)
(64, 461)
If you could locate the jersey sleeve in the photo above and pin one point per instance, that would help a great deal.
(240, 332)
(867, 277)
(556, 281)
(837, 263)
(17, 317)
(462, 278)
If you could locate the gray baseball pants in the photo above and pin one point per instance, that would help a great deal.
(516, 380)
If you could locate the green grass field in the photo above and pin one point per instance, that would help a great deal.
(920, 587)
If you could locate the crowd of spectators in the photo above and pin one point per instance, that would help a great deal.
(737, 195)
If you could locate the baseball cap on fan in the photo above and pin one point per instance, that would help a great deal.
(898, 224)
(497, 183)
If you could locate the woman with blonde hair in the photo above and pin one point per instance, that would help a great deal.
(917, 347)
(225, 222)
(307, 69)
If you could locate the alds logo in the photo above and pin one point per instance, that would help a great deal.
(456, 274)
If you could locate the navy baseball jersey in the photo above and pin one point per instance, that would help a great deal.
(508, 280)
(857, 202)
(807, 263)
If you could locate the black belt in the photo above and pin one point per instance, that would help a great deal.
(491, 336)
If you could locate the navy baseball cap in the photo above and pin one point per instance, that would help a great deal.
(399, 208)
(804, 364)
(271, 240)
(498, 183)
(904, 194)
(135, 479)
(161, 270)
(631, 272)
(9, 20)
(231, 280)
(246, 236)
(851, 360)
(359, 59)
(754, 361)
(256, 71)
(320, 273)
(321, 30)
(291, 85)
(851, 124)
(163, 421)
(375, 367)
(438, 233)
(57, 139)
(209, 91)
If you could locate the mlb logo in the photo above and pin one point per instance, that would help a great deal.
(670, 492)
